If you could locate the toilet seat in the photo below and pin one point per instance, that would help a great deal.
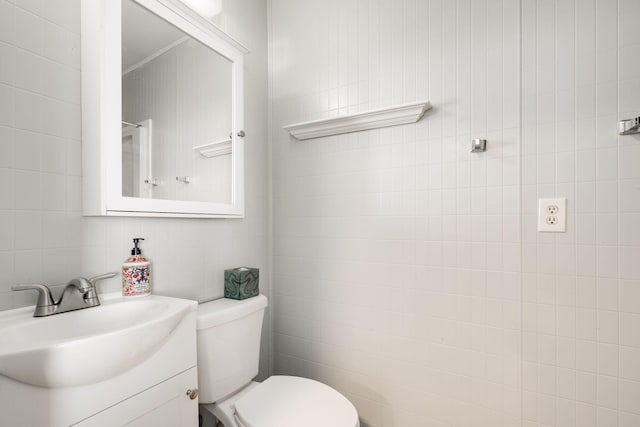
(285, 401)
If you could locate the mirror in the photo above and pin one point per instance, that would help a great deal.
(176, 147)
(176, 105)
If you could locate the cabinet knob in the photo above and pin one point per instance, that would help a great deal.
(192, 393)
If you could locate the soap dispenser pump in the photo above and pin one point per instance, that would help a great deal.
(136, 273)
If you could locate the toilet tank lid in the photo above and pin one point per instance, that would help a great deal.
(223, 310)
(285, 401)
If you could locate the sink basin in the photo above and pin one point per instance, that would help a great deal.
(86, 346)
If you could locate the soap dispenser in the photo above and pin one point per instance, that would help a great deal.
(136, 273)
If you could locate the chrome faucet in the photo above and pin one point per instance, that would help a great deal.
(79, 293)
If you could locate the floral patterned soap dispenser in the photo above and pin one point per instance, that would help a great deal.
(136, 273)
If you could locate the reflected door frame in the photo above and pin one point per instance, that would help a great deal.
(142, 137)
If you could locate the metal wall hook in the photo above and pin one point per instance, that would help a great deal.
(185, 179)
(478, 145)
(629, 126)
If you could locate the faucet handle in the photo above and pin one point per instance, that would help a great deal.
(44, 293)
(92, 293)
(93, 280)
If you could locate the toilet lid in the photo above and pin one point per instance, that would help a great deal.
(283, 401)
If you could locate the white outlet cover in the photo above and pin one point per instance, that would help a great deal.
(552, 215)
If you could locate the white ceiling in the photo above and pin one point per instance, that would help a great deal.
(143, 34)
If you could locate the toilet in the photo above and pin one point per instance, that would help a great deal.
(228, 334)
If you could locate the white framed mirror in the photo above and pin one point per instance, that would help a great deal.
(162, 112)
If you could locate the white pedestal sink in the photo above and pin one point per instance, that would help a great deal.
(65, 368)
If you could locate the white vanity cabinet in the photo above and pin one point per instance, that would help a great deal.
(154, 352)
(167, 404)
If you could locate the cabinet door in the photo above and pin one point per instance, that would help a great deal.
(164, 405)
(187, 99)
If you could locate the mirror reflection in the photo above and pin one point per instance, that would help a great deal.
(176, 113)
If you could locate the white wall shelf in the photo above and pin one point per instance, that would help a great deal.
(214, 149)
(366, 120)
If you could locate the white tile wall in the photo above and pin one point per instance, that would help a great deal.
(396, 251)
(43, 236)
(367, 224)
(39, 126)
(577, 82)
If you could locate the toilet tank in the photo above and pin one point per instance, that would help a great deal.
(228, 334)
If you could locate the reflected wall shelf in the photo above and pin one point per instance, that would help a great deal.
(214, 149)
(390, 116)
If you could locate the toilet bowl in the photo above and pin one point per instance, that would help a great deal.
(285, 401)
(228, 333)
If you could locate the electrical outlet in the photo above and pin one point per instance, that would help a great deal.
(552, 215)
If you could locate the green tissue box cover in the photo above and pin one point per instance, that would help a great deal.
(241, 283)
